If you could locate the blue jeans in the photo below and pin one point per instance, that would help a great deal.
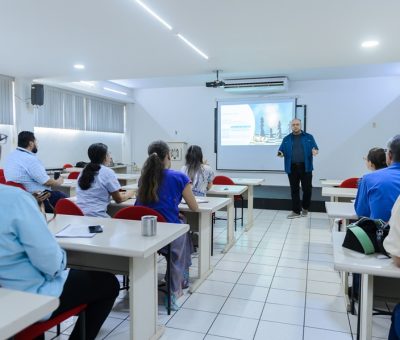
(394, 333)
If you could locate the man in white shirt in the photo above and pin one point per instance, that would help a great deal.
(22, 166)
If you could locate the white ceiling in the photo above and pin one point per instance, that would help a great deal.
(117, 39)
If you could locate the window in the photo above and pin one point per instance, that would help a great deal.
(6, 100)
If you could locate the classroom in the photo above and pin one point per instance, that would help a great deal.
(232, 77)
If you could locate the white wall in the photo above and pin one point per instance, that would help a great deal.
(341, 115)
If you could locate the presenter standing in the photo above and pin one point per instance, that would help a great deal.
(298, 149)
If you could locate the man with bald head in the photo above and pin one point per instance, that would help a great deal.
(298, 149)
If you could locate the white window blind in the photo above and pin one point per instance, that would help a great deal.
(104, 115)
(6, 100)
(69, 110)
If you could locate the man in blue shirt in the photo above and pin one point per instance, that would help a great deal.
(22, 166)
(378, 190)
(298, 149)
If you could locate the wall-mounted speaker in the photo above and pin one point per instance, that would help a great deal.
(37, 94)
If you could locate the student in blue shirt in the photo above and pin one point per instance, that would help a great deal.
(162, 189)
(31, 260)
(378, 190)
(97, 182)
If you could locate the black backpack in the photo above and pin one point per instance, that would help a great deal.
(366, 236)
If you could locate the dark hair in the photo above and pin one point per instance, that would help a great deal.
(194, 160)
(97, 154)
(24, 137)
(394, 148)
(377, 157)
(152, 172)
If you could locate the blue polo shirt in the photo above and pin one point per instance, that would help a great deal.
(377, 192)
(307, 142)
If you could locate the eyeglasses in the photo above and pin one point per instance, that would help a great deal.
(3, 138)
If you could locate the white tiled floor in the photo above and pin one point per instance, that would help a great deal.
(277, 282)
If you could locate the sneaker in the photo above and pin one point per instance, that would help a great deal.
(174, 306)
(293, 215)
(304, 212)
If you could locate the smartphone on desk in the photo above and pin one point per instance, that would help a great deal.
(95, 229)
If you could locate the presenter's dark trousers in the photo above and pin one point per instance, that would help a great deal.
(96, 289)
(299, 175)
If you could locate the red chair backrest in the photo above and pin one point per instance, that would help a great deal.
(136, 212)
(67, 207)
(39, 328)
(223, 180)
(350, 183)
(74, 175)
(2, 178)
(15, 184)
(67, 165)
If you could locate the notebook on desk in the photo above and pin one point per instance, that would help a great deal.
(75, 230)
(198, 200)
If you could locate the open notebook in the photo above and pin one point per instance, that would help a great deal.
(75, 230)
(198, 200)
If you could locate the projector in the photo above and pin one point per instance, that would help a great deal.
(215, 83)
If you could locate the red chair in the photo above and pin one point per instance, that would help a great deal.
(67, 165)
(39, 328)
(2, 178)
(15, 184)
(74, 175)
(65, 206)
(136, 213)
(350, 183)
(224, 180)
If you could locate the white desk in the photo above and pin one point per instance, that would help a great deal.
(341, 210)
(203, 219)
(335, 193)
(121, 168)
(368, 266)
(20, 309)
(230, 191)
(330, 182)
(250, 183)
(68, 187)
(123, 179)
(121, 249)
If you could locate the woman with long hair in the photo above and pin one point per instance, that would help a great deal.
(376, 159)
(199, 173)
(97, 182)
(162, 189)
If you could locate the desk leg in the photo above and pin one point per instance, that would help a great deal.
(231, 226)
(143, 299)
(204, 250)
(367, 290)
(250, 198)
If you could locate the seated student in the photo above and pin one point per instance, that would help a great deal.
(32, 261)
(378, 190)
(376, 159)
(392, 246)
(199, 173)
(22, 166)
(97, 182)
(162, 189)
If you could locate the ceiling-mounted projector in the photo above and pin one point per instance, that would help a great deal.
(216, 83)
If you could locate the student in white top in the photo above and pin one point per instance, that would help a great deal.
(97, 182)
(200, 174)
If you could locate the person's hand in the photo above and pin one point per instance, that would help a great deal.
(41, 198)
(314, 151)
(60, 180)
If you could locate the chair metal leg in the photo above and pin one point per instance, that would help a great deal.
(242, 210)
(212, 237)
(169, 258)
(235, 214)
(58, 330)
(82, 326)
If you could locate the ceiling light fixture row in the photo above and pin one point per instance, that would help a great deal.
(169, 27)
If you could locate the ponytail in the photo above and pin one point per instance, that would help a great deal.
(97, 154)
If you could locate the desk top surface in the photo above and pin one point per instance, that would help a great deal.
(330, 182)
(119, 237)
(354, 262)
(247, 181)
(341, 210)
(339, 192)
(227, 190)
(119, 176)
(21, 309)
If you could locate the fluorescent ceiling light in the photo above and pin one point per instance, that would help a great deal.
(187, 42)
(370, 43)
(115, 91)
(155, 15)
(87, 83)
(79, 66)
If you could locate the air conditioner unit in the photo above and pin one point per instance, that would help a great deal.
(256, 85)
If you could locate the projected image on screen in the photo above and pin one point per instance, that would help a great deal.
(255, 124)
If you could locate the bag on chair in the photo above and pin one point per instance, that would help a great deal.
(366, 236)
